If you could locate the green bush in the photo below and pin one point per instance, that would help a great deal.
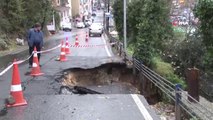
(130, 50)
(166, 70)
(176, 79)
(161, 67)
(3, 43)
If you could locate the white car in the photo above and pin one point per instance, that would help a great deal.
(67, 27)
(96, 29)
(80, 25)
(88, 22)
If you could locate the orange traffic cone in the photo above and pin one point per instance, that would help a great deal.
(16, 90)
(87, 38)
(76, 41)
(67, 48)
(36, 66)
(63, 56)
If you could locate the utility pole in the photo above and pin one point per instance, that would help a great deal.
(125, 44)
(104, 19)
(108, 6)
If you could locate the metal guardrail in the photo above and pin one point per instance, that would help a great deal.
(174, 91)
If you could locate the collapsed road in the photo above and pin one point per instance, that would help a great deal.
(92, 84)
(111, 78)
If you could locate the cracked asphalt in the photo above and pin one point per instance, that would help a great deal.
(41, 93)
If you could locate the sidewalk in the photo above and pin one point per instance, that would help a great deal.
(22, 51)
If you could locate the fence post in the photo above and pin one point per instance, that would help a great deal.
(134, 68)
(192, 76)
(120, 49)
(177, 102)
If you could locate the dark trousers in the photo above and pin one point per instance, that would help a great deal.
(37, 45)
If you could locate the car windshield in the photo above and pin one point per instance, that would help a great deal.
(96, 25)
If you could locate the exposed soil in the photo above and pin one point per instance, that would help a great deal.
(108, 79)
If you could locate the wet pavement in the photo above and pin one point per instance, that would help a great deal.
(42, 92)
(79, 58)
(80, 107)
(22, 52)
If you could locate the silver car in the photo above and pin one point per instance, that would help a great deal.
(96, 29)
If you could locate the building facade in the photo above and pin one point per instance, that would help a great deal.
(63, 7)
(81, 8)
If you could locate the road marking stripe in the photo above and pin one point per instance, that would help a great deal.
(107, 49)
(15, 88)
(141, 107)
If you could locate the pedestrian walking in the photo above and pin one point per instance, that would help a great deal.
(35, 39)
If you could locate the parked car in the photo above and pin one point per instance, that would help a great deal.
(51, 28)
(80, 25)
(96, 29)
(88, 23)
(66, 27)
(94, 9)
(93, 14)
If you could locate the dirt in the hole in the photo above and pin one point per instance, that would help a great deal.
(110, 79)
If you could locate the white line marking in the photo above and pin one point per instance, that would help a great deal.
(15, 88)
(107, 49)
(141, 107)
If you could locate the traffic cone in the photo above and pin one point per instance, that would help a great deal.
(87, 38)
(36, 66)
(63, 56)
(67, 48)
(76, 41)
(16, 90)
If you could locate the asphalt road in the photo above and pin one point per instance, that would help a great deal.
(41, 93)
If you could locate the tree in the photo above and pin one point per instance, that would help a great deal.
(42, 13)
(204, 11)
(12, 12)
(18, 15)
(150, 27)
(118, 16)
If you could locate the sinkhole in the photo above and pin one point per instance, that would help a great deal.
(111, 78)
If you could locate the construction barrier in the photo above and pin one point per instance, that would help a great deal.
(67, 48)
(89, 46)
(17, 98)
(21, 61)
(63, 54)
(36, 66)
